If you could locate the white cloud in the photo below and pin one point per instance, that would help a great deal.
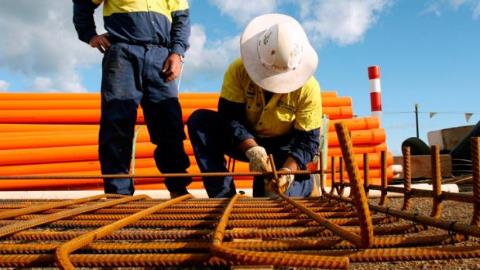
(42, 83)
(457, 3)
(341, 21)
(39, 42)
(438, 6)
(208, 59)
(476, 11)
(243, 11)
(4, 86)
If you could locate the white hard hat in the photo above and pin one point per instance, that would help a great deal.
(277, 54)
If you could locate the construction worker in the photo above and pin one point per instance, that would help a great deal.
(269, 104)
(143, 50)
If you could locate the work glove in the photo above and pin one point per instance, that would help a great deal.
(282, 184)
(285, 181)
(258, 158)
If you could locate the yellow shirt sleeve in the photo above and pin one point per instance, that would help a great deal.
(309, 109)
(232, 89)
(177, 5)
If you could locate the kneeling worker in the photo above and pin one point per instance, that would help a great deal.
(270, 103)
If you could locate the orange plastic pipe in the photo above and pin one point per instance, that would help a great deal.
(372, 136)
(360, 123)
(88, 96)
(12, 128)
(359, 149)
(61, 154)
(373, 160)
(86, 104)
(352, 124)
(39, 139)
(91, 116)
(66, 184)
(372, 173)
(87, 116)
(69, 153)
(80, 96)
(55, 139)
(63, 167)
(371, 181)
(73, 104)
(93, 165)
(336, 101)
(338, 112)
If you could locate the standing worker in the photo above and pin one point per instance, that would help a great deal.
(143, 51)
(269, 103)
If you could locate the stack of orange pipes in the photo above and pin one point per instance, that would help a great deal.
(56, 134)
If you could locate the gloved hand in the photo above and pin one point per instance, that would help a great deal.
(285, 181)
(258, 158)
(282, 184)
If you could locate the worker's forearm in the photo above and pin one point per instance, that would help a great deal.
(234, 116)
(180, 32)
(291, 164)
(304, 146)
(247, 144)
(83, 19)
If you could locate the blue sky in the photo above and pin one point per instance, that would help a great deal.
(428, 51)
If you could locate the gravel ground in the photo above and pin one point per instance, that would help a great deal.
(452, 211)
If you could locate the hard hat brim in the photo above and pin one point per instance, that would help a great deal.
(270, 80)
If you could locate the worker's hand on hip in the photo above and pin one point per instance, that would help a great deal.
(258, 158)
(100, 42)
(172, 67)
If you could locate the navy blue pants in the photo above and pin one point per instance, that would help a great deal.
(210, 141)
(131, 77)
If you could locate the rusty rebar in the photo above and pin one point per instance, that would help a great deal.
(332, 170)
(210, 223)
(359, 197)
(407, 179)
(50, 205)
(408, 254)
(384, 180)
(333, 243)
(424, 220)
(475, 152)
(276, 259)
(349, 236)
(322, 173)
(366, 168)
(341, 187)
(22, 225)
(436, 182)
(62, 252)
(114, 260)
(254, 230)
(458, 197)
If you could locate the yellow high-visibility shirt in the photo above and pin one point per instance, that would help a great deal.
(300, 109)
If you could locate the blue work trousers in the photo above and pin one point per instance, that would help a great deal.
(211, 141)
(132, 76)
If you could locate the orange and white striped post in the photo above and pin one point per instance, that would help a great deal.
(375, 91)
